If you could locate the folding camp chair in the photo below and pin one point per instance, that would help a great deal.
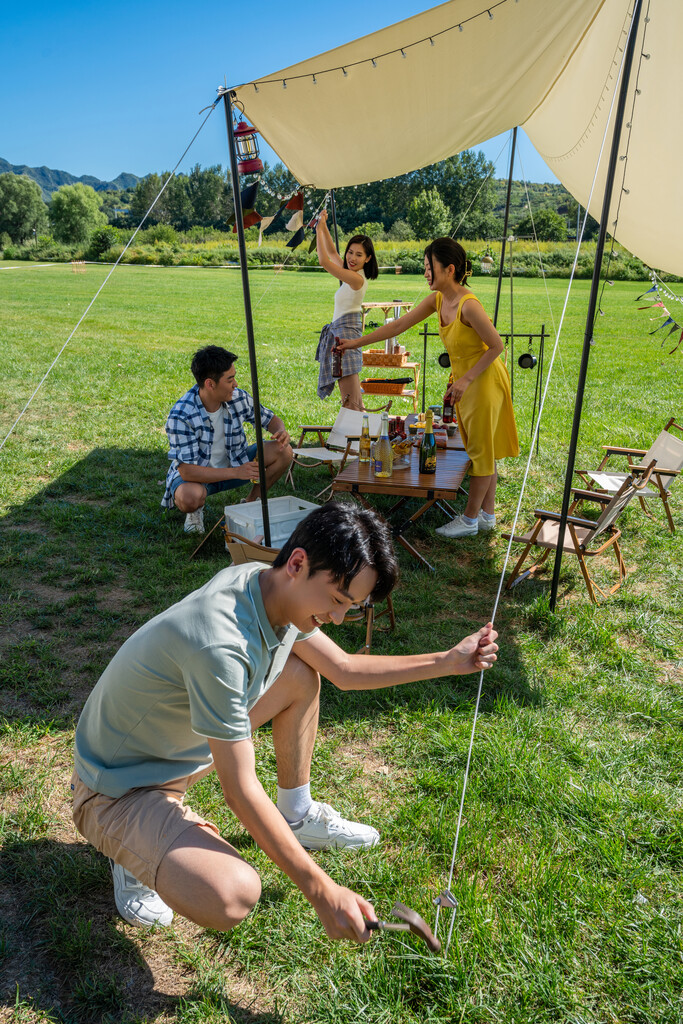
(341, 442)
(667, 451)
(243, 550)
(581, 535)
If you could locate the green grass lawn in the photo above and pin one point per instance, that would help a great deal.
(568, 871)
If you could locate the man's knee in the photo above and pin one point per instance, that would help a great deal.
(189, 497)
(240, 893)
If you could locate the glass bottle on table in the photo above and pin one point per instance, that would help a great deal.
(364, 444)
(428, 448)
(384, 453)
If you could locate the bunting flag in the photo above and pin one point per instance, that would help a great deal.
(296, 239)
(656, 291)
(296, 221)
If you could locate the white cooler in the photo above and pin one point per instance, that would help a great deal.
(284, 514)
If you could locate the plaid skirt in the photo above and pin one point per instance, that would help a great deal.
(347, 326)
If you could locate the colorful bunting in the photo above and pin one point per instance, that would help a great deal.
(296, 239)
(669, 321)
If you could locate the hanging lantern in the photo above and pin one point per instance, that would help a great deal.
(487, 262)
(248, 161)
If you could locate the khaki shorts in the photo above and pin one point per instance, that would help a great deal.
(137, 829)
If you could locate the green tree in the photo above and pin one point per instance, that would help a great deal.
(428, 215)
(75, 213)
(22, 210)
(144, 195)
(547, 225)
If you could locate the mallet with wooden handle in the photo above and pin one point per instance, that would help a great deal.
(410, 922)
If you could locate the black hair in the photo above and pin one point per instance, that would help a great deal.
(211, 361)
(343, 539)
(371, 270)
(447, 251)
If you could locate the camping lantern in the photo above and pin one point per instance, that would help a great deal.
(248, 161)
(487, 263)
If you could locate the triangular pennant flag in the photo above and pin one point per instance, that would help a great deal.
(265, 223)
(296, 202)
(653, 289)
(249, 218)
(296, 221)
(676, 327)
(665, 324)
(314, 242)
(296, 239)
(678, 345)
(248, 195)
(277, 223)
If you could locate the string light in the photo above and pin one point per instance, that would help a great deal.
(401, 49)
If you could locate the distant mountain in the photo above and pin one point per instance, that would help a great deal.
(50, 180)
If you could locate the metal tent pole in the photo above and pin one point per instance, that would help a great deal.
(592, 301)
(237, 200)
(505, 227)
(333, 204)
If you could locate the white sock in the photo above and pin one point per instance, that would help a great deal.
(294, 804)
(470, 522)
(490, 516)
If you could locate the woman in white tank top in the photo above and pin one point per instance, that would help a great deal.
(353, 271)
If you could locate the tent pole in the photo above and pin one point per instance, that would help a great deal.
(333, 205)
(592, 301)
(505, 227)
(237, 200)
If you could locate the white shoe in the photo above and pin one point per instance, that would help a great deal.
(458, 528)
(486, 524)
(194, 521)
(135, 902)
(323, 828)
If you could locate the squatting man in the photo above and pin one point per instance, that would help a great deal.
(207, 445)
(182, 697)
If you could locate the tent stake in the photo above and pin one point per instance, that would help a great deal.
(237, 200)
(592, 301)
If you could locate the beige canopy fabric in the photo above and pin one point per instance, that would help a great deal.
(458, 74)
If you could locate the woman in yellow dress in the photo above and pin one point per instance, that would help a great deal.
(481, 384)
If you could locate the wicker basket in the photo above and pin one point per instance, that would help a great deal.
(377, 357)
(382, 387)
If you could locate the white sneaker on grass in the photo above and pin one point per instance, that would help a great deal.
(194, 521)
(135, 902)
(323, 828)
(486, 523)
(458, 527)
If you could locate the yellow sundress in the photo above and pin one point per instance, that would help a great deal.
(485, 415)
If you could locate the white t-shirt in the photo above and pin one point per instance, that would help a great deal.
(219, 453)
(347, 300)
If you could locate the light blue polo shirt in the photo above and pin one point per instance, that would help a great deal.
(192, 672)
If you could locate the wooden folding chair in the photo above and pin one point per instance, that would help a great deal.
(242, 550)
(583, 538)
(340, 443)
(667, 451)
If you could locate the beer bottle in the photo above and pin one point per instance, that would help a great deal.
(447, 414)
(364, 445)
(428, 449)
(336, 359)
(384, 453)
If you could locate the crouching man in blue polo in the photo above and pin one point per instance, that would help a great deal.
(207, 445)
(182, 697)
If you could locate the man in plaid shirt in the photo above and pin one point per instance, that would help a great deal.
(208, 447)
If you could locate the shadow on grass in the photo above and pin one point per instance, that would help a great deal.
(65, 952)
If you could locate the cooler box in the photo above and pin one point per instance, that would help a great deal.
(284, 514)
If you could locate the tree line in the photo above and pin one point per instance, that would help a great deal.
(455, 196)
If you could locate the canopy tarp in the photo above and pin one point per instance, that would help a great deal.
(451, 78)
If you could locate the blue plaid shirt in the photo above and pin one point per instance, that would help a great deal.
(190, 432)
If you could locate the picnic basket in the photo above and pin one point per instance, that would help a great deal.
(378, 357)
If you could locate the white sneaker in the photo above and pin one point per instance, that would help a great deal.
(194, 521)
(323, 828)
(486, 523)
(458, 528)
(135, 902)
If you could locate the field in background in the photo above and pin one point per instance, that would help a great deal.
(568, 873)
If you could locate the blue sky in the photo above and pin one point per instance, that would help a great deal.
(95, 88)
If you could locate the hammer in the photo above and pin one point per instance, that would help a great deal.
(411, 922)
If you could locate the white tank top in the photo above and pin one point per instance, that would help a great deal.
(347, 299)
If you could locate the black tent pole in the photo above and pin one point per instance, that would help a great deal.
(505, 227)
(595, 282)
(333, 204)
(237, 201)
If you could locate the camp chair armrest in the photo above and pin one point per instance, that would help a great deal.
(659, 471)
(315, 426)
(613, 450)
(592, 495)
(556, 516)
